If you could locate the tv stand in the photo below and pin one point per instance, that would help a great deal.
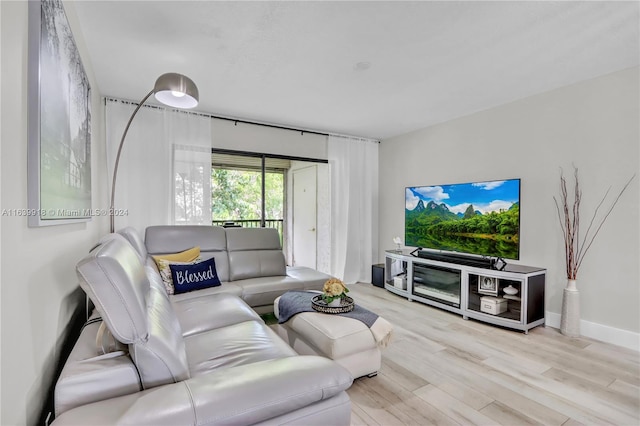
(488, 290)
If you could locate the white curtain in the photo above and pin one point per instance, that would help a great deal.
(165, 160)
(354, 207)
(191, 168)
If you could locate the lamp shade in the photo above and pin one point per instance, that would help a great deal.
(176, 90)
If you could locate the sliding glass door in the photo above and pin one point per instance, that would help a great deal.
(248, 190)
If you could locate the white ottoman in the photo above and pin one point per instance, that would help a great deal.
(344, 340)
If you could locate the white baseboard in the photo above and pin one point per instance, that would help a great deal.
(604, 333)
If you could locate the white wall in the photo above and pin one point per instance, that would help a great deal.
(38, 282)
(594, 125)
(252, 138)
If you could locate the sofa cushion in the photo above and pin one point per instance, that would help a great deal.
(254, 252)
(196, 314)
(263, 291)
(334, 336)
(242, 239)
(224, 288)
(238, 344)
(255, 264)
(300, 390)
(311, 279)
(194, 276)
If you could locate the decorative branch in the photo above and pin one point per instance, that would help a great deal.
(575, 247)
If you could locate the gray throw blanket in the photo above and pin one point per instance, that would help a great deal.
(293, 302)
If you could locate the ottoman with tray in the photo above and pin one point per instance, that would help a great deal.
(347, 341)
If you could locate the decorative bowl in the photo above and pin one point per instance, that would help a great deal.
(346, 305)
(510, 290)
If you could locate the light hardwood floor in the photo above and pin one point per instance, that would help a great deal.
(441, 369)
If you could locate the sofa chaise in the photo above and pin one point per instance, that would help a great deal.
(204, 357)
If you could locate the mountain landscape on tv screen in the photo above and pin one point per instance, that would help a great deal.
(479, 218)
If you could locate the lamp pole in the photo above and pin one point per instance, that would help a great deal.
(172, 89)
(117, 163)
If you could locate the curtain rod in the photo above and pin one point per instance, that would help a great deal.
(273, 126)
(237, 120)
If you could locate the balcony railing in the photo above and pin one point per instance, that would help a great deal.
(250, 223)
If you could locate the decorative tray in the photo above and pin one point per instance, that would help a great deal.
(346, 305)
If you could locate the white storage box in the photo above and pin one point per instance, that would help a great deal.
(400, 282)
(493, 305)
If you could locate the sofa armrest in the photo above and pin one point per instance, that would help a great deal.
(95, 379)
(89, 376)
(311, 278)
(239, 395)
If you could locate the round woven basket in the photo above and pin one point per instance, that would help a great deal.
(346, 305)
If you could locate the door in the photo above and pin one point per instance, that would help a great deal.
(304, 217)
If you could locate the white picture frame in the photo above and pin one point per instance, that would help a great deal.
(59, 121)
(487, 285)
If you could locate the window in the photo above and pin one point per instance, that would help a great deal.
(238, 196)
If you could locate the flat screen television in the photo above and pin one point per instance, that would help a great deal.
(480, 218)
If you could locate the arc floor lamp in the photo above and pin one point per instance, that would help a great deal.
(172, 89)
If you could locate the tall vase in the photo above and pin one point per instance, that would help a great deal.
(570, 321)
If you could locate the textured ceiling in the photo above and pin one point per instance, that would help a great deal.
(373, 69)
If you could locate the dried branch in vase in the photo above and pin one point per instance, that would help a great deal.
(576, 247)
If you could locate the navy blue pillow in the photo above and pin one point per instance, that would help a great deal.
(194, 276)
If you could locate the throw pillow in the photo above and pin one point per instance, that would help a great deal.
(165, 272)
(163, 261)
(184, 256)
(195, 276)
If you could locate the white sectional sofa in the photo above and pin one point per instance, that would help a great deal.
(201, 358)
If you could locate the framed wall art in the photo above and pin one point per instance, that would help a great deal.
(59, 120)
(487, 285)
